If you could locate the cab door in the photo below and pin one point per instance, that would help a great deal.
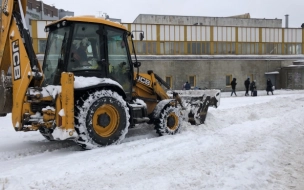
(117, 56)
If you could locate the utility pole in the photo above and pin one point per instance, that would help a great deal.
(99, 13)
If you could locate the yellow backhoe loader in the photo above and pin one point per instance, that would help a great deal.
(88, 88)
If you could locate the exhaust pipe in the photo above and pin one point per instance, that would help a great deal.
(286, 21)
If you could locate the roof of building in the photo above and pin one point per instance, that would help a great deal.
(246, 15)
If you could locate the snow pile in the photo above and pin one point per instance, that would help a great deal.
(246, 143)
(82, 82)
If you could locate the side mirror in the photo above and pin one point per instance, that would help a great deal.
(137, 64)
(141, 36)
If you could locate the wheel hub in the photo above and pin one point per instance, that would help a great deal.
(106, 120)
(103, 120)
(171, 121)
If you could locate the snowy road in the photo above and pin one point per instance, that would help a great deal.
(247, 143)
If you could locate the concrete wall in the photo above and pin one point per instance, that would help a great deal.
(207, 21)
(211, 73)
(292, 77)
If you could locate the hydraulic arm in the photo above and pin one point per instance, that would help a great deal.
(18, 63)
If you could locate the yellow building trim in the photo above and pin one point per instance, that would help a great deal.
(185, 40)
(35, 35)
(260, 41)
(211, 41)
(236, 40)
(158, 39)
(129, 27)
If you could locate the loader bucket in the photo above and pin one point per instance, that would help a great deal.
(6, 101)
(195, 103)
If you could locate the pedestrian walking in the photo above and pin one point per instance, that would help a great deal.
(233, 84)
(186, 86)
(269, 86)
(252, 87)
(247, 83)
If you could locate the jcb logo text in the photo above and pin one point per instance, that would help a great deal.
(144, 80)
(16, 60)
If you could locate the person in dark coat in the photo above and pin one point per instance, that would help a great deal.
(269, 86)
(79, 53)
(247, 83)
(187, 86)
(233, 84)
(252, 87)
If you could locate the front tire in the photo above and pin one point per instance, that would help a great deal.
(169, 122)
(103, 119)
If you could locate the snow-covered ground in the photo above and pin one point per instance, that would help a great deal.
(247, 143)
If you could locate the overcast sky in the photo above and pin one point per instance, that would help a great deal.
(127, 11)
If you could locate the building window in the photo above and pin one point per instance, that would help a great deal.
(192, 81)
(169, 81)
(30, 6)
(162, 51)
(151, 48)
(169, 48)
(228, 80)
(140, 47)
(30, 21)
(41, 46)
(52, 13)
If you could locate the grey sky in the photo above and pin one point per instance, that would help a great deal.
(129, 10)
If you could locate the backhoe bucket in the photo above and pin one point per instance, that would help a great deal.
(195, 103)
(6, 102)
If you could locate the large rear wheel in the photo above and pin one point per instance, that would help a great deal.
(169, 122)
(103, 119)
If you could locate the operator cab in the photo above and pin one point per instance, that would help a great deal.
(89, 49)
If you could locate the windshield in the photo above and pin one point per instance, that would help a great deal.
(90, 50)
(55, 52)
(86, 46)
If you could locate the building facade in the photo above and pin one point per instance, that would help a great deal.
(37, 10)
(210, 56)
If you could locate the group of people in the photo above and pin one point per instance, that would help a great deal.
(251, 86)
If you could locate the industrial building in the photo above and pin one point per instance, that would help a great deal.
(210, 51)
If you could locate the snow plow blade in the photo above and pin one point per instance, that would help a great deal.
(195, 103)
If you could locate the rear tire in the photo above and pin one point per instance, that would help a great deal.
(103, 119)
(169, 121)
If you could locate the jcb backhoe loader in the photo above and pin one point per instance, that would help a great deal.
(86, 89)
